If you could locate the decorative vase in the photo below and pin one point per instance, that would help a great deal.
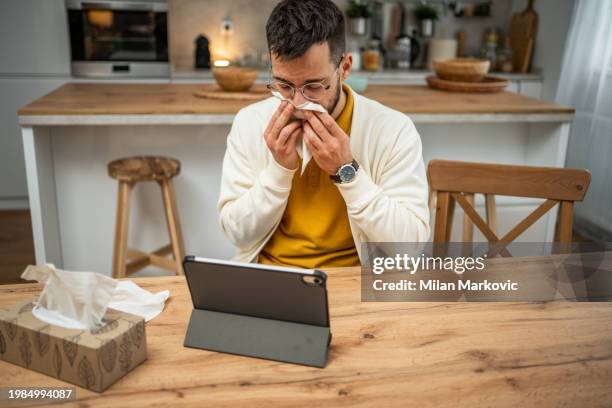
(358, 25)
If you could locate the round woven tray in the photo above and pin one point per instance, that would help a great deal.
(241, 96)
(488, 84)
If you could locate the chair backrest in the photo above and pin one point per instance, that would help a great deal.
(455, 181)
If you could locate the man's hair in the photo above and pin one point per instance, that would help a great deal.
(295, 25)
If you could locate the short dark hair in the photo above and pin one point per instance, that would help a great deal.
(296, 25)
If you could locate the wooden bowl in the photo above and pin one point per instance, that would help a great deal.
(235, 79)
(462, 69)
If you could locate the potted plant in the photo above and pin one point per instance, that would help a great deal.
(358, 13)
(426, 15)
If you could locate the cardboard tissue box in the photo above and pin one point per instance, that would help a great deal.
(84, 328)
(92, 359)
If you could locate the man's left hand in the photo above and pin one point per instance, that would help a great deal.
(326, 141)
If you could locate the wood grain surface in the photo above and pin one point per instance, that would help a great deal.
(382, 354)
(159, 99)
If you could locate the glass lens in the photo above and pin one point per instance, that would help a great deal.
(284, 89)
(314, 92)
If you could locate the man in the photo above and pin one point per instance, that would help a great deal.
(366, 180)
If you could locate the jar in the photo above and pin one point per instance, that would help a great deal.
(489, 52)
(372, 59)
(491, 36)
(504, 60)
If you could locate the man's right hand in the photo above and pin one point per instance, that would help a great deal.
(281, 136)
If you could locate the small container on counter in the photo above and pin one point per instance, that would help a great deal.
(372, 57)
(504, 60)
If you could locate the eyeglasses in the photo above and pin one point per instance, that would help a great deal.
(312, 91)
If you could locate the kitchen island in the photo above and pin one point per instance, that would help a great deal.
(71, 134)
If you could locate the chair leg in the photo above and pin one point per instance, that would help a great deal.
(468, 224)
(442, 202)
(122, 222)
(566, 222)
(174, 225)
(432, 200)
(449, 218)
(491, 211)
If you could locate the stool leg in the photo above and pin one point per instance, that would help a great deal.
(122, 222)
(174, 224)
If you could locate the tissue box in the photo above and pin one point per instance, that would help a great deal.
(92, 359)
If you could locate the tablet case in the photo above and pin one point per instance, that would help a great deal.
(259, 311)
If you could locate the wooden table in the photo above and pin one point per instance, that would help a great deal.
(382, 354)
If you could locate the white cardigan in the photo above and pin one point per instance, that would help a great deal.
(387, 201)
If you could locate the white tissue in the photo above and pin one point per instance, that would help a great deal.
(131, 298)
(301, 147)
(78, 300)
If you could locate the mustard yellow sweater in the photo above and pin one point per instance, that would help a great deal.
(314, 231)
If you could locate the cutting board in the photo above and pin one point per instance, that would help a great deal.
(252, 95)
(521, 37)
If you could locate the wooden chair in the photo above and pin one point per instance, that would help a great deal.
(128, 172)
(457, 182)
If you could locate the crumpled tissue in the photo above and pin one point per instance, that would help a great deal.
(301, 147)
(78, 300)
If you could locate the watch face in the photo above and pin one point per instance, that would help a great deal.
(346, 173)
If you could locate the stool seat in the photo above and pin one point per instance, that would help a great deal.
(144, 168)
(129, 172)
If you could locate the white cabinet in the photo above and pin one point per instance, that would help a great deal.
(35, 60)
(34, 37)
(15, 93)
(531, 88)
(513, 86)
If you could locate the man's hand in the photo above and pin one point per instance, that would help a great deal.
(326, 141)
(281, 136)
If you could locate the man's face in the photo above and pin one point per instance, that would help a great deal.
(315, 66)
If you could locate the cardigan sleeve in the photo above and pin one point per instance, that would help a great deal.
(250, 203)
(395, 207)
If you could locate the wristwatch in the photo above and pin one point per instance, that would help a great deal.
(345, 173)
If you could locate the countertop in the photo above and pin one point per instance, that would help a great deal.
(111, 103)
(384, 76)
(383, 354)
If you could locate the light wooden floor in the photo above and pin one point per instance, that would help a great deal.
(16, 244)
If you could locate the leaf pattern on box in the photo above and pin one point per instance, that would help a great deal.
(108, 355)
(41, 341)
(137, 332)
(109, 326)
(86, 373)
(25, 348)
(125, 353)
(11, 328)
(26, 308)
(57, 361)
(2, 344)
(70, 346)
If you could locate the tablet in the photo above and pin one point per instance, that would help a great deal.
(257, 290)
(258, 311)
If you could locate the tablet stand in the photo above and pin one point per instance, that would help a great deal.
(257, 337)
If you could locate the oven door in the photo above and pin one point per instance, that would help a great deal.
(118, 38)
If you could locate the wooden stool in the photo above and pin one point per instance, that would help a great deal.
(128, 172)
